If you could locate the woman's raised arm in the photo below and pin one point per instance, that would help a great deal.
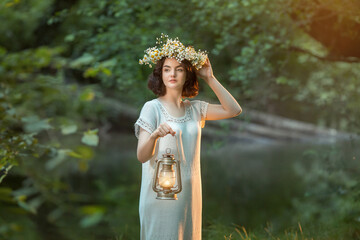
(229, 107)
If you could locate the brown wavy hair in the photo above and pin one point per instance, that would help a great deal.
(156, 84)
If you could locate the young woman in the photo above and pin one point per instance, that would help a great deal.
(169, 116)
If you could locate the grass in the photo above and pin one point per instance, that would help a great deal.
(217, 231)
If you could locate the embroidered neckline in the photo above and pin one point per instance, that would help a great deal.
(171, 118)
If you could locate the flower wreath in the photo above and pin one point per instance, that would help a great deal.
(173, 48)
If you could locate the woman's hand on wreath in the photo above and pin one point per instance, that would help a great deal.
(205, 72)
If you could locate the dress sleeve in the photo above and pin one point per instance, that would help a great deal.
(147, 119)
(201, 111)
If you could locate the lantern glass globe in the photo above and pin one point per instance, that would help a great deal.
(167, 178)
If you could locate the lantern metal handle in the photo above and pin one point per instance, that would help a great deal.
(178, 173)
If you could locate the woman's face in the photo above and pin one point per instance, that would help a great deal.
(173, 74)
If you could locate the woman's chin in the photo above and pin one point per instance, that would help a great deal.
(174, 86)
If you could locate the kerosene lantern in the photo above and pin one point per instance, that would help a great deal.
(167, 177)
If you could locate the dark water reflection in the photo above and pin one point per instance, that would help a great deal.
(251, 185)
(243, 184)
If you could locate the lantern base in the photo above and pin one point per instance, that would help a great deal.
(166, 196)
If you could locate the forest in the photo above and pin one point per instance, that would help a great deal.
(71, 89)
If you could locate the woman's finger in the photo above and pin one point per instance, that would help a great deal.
(162, 131)
(169, 129)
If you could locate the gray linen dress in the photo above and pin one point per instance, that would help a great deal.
(173, 219)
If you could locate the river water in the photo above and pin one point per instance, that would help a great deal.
(243, 183)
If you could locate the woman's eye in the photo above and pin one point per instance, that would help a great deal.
(180, 69)
(166, 69)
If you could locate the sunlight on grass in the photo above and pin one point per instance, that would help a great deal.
(240, 233)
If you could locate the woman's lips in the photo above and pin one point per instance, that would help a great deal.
(173, 81)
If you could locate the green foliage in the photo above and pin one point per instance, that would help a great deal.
(247, 32)
(112, 37)
(90, 137)
(251, 47)
(258, 46)
(21, 18)
(220, 231)
(34, 101)
(61, 63)
(37, 107)
(332, 190)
